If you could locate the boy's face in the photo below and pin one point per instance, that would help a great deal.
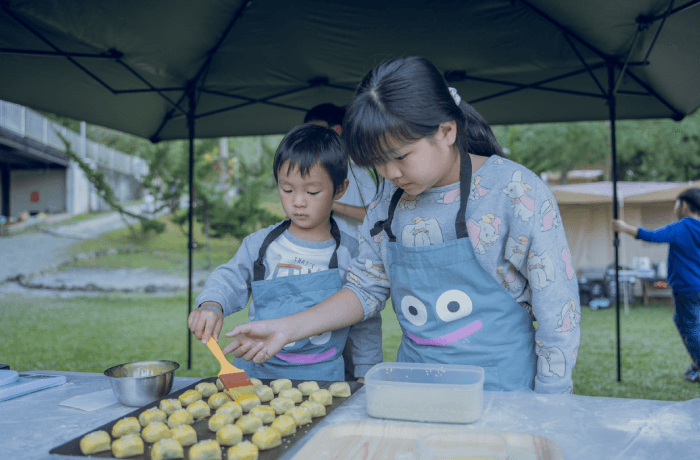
(307, 201)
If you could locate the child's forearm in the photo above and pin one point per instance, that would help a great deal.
(342, 309)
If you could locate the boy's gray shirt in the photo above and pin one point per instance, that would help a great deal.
(230, 284)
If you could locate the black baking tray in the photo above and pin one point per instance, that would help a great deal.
(72, 447)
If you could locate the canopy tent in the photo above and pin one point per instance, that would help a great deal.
(224, 68)
(585, 212)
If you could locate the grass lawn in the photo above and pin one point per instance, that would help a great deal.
(90, 334)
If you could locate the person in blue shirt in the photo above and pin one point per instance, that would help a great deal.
(683, 269)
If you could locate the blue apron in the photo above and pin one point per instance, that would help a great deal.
(316, 358)
(452, 311)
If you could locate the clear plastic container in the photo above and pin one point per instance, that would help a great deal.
(446, 393)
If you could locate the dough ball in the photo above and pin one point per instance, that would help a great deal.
(340, 389)
(180, 417)
(97, 441)
(249, 423)
(189, 396)
(220, 385)
(302, 415)
(323, 396)
(265, 393)
(280, 384)
(218, 399)
(125, 426)
(167, 449)
(127, 446)
(152, 415)
(281, 405)
(217, 421)
(293, 393)
(206, 389)
(317, 409)
(247, 402)
(205, 450)
(285, 424)
(229, 435)
(169, 406)
(267, 438)
(256, 382)
(307, 388)
(199, 410)
(264, 413)
(244, 450)
(233, 407)
(184, 434)
(156, 431)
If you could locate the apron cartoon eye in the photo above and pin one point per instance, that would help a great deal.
(289, 345)
(414, 310)
(321, 338)
(452, 305)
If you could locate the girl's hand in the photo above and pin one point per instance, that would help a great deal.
(257, 341)
(206, 322)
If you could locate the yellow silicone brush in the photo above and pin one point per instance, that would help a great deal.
(235, 380)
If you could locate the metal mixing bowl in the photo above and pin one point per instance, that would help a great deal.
(139, 383)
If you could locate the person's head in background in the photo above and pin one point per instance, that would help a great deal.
(404, 101)
(326, 115)
(688, 204)
(310, 169)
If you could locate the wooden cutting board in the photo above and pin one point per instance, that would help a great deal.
(383, 441)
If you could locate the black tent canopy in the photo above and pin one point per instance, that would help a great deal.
(213, 68)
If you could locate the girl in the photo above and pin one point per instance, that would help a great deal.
(439, 247)
(683, 269)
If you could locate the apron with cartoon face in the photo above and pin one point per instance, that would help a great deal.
(452, 311)
(316, 358)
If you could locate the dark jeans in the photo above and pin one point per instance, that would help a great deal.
(687, 319)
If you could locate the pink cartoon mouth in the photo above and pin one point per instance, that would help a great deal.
(307, 359)
(450, 338)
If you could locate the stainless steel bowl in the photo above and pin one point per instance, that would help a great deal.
(139, 383)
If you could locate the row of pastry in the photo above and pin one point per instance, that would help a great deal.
(169, 428)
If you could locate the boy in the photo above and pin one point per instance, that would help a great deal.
(349, 211)
(291, 266)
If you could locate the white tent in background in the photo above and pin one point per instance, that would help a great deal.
(586, 213)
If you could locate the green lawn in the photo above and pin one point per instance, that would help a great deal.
(90, 334)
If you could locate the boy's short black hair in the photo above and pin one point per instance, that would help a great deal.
(331, 114)
(692, 197)
(308, 145)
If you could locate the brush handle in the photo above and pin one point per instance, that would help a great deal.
(219, 355)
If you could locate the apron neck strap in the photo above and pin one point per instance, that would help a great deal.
(465, 183)
(259, 265)
(386, 224)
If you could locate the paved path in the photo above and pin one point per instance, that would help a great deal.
(36, 251)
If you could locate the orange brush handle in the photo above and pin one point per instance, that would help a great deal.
(226, 367)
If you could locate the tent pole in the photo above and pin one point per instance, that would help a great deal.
(616, 238)
(190, 244)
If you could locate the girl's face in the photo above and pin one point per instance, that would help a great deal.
(429, 162)
(307, 201)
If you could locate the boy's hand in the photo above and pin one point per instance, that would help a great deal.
(206, 322)
(257, 341)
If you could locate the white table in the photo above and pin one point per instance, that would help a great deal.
(585, 427)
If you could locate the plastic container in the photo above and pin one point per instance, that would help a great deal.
(446, 393)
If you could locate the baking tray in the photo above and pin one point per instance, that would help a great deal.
(391, 440)
(72, 447)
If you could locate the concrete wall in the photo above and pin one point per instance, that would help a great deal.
(49, 185)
